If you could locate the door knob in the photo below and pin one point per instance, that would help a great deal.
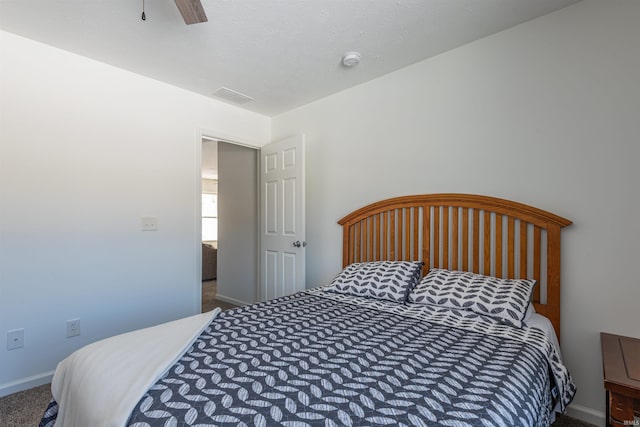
(298, 243)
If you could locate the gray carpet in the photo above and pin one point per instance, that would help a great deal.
(209, 301)
(25, 409)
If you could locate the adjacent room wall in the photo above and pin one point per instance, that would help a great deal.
(86, 151)
(545, 113)
(237, 224)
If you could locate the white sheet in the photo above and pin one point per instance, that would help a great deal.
(100, 384)
(539, 321)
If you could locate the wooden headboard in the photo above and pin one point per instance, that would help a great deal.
(481, 234)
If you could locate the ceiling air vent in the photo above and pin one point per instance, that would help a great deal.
(231, 96)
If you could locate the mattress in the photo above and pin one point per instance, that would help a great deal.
(315, 358)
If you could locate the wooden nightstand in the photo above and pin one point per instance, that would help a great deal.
(621, 367)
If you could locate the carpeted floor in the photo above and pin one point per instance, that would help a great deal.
(25, 409)
(209, 301)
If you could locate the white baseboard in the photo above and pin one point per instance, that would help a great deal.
(588, 415)
(231, 300)
(25, 383)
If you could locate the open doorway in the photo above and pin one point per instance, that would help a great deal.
(209, 168)
(229, 224)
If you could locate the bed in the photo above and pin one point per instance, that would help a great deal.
(446, 312)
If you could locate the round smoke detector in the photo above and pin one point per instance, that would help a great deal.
(351, 59)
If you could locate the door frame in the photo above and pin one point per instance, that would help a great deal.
(209, 134)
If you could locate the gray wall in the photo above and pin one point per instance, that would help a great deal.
(237, 223)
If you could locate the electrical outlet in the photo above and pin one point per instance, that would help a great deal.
(73, 328)
(149, 224)
(15, 339)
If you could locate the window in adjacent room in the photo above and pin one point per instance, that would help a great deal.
(209, 217)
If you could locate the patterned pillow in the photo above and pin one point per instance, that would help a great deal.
(504, 299)
(389, 280)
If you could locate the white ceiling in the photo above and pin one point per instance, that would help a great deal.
(282, 53)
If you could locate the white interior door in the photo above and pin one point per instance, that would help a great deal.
(282, 229)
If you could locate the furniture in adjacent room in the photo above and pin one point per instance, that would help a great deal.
(621, 369)
(209, 262)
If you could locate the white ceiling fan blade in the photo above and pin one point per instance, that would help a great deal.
(192, 11)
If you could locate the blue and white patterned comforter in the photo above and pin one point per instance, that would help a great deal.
(320, 359)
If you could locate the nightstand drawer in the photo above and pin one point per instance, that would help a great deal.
(621, 369)
(621, 407)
